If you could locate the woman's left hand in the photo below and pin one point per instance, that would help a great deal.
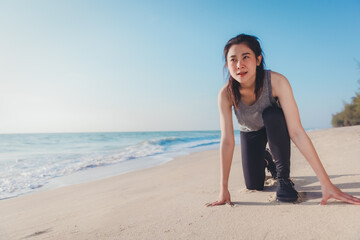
(331, 191)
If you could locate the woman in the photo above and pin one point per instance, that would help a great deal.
(267, 112)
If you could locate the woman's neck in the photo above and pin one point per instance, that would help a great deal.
(247, 90)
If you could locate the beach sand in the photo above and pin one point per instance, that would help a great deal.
(167, 201)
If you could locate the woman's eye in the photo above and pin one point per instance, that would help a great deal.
(232, 60)
(246, 57)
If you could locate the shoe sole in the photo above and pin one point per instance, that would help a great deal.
(284, 199)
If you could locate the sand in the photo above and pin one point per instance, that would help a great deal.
(167, 201)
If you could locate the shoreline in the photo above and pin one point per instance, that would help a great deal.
(167, 201)
(111, 170)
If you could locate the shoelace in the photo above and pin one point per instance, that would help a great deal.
(286, 181)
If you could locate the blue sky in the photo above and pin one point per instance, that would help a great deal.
(90, 66)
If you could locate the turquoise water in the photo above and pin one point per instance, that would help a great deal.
(30, 161)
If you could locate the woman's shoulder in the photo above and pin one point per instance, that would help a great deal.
(278, 80)
(275, 76)
(224, 95)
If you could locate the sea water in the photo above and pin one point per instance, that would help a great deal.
(32, 162)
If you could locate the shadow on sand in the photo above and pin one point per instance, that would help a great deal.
(305, 190)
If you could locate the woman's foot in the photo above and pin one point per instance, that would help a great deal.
(270, 165)
(286, 191)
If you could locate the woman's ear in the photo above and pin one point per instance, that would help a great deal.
(258, 60)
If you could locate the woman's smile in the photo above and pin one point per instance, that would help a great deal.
(241, 74)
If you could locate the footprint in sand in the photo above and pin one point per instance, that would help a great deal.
(269, 181)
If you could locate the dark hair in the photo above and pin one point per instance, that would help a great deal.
(233, 86)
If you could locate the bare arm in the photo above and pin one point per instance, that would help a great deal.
(282, 89)
(227, 145)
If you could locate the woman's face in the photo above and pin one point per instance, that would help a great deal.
(242, 63)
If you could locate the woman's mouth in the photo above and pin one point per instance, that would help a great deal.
(241, 74)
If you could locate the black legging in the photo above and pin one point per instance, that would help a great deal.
(253, 147)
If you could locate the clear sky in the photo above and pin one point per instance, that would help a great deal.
(90, 66)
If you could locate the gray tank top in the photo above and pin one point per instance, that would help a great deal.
(250, 117)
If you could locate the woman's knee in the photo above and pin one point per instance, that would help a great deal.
(258, 187)
(255, 180)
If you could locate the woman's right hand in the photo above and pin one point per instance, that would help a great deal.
(224, 197)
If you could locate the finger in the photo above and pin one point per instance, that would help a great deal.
(352, 200)
(356, 199)
(211, 203)
(214, 203)
(342, 196)
(324, 200)
(349, 197)
(218, 203)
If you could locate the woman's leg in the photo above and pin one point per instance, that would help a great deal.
(279, 140)
(252, 155)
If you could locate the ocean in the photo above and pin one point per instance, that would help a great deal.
(36, 162)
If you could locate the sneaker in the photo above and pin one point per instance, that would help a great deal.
(270, 164)
(286, 191)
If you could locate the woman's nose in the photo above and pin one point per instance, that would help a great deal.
(238, 64)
